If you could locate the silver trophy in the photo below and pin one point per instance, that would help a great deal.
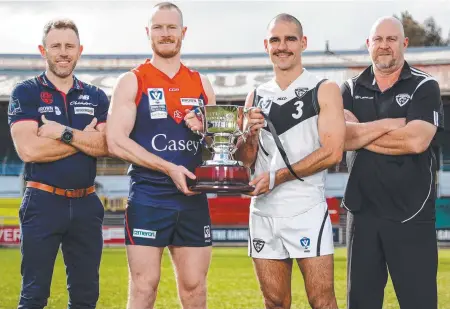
(223, 125)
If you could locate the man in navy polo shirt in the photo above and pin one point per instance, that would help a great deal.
(57, 128)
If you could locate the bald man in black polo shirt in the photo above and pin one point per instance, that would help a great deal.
(393, 112)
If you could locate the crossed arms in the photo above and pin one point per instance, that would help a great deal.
(388, 136)
(399, 136)
(43, 144)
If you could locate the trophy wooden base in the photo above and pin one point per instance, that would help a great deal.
(222, 179)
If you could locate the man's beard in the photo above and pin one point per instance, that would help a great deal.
(52, 66)
(169, 53)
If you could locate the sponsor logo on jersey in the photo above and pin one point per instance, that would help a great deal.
(84, 110)
(76, 103)
(363, 97)
(144, 233)
(161, 143)
(45, 109)
(191, 101)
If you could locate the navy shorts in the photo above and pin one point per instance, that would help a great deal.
(159, 227)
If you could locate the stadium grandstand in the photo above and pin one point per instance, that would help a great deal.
(232, 77)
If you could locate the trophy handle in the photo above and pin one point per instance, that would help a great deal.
(246, 131)
(201, 114)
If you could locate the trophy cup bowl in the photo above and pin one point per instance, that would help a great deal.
(222, 174)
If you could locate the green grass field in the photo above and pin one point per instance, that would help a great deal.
(231, 282)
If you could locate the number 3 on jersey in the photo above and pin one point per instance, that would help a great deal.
(299, 114)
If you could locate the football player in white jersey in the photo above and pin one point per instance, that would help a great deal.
(289, 216)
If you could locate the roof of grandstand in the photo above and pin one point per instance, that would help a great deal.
(232, 75)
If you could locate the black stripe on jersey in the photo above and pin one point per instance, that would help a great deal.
(291, 113)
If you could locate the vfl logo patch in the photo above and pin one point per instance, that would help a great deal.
(402, 98)
(258, 244)
(305, 242)
(300, 92)
(156, 94)
(157, 103)
(144, 233)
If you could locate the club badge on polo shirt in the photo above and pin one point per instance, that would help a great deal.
(157, 103)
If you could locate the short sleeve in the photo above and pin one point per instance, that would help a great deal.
(22, 105)
(347, 95)
(426, 103)
(101, 112)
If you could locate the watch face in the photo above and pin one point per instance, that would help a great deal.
(67, 136)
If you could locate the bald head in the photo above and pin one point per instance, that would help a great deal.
(390, 24)
(287, 18)
(387, 44)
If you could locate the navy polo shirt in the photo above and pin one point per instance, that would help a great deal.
(401, 187)
(35, 97)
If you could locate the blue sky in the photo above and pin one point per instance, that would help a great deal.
(117, 27)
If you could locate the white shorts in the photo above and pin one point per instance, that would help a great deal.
(306, 235)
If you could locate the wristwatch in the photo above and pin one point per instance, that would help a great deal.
(67, 135)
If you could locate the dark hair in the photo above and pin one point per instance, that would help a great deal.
(168, 6)
(287, 18)
(59, 24)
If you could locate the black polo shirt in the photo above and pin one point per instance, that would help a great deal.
(403, 187)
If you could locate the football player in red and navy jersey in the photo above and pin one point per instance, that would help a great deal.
(151, 125)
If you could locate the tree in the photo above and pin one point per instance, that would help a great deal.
(413, 30)
(428, 34)
(433, 33)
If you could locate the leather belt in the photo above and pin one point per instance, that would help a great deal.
(71, 193)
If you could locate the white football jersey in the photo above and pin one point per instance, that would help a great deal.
(294, 113)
